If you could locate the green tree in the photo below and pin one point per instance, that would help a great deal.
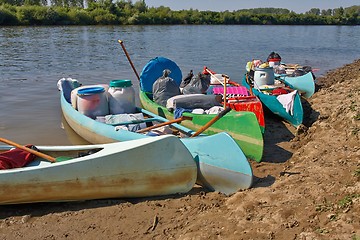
(314, 11)
(327, 12)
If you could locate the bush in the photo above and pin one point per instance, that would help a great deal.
(80, 17)
(102, 16)
(7, 16)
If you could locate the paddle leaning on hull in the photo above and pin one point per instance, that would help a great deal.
(222, 166)
(242, 126)
(141, 168)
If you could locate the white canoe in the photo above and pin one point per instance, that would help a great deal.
(138, 168)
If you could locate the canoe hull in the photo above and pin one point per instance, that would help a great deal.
(249, 104)
(141, 168)
(305, 83)
(227, 170)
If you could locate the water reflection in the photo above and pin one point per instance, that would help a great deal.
(73, 137)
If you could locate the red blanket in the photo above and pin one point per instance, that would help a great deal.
(15, 158)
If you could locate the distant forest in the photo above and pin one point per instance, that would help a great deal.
(125, 12)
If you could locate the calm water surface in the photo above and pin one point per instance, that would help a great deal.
(33, 59)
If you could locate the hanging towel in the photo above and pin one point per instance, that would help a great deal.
(287, 101)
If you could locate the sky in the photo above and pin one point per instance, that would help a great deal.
(301, 6)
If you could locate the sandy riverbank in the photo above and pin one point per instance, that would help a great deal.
(307, 187)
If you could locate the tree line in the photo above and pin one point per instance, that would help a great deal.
(125, 12)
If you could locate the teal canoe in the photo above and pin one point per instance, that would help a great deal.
(305, 84)
(272, 103)
(141, 168)
(243, 126)
(222, 165)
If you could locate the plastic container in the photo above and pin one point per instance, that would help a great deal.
(74, 92)
(121, 96)
(92, 101)
(263, 76)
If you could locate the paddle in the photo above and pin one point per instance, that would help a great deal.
(177, 120)
(224, 84)
(36, 153)
(212, 121)
(249, 82)
(128, 57)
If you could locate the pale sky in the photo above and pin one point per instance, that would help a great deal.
(231, 5)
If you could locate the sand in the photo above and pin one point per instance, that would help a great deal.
(306, 187)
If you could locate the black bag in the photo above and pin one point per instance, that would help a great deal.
(187, 79)
(198, 84)
(164, 88)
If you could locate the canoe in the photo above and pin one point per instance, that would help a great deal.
(305, 84)
(271, 102)
(141, 168)
(242, 126)
(222, 166)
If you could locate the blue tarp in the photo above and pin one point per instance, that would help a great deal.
(154, 69)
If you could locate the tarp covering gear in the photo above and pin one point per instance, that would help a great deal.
(154, 69)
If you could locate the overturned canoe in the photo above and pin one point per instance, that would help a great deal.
(140, 168)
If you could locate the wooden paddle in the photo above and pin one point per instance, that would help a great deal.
(177, 120)
(225, 82)
(39, 154)
(211, 122)
(128, 57)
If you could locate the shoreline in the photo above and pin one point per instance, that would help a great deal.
(306, 187)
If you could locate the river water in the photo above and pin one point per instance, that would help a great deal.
(33, 59)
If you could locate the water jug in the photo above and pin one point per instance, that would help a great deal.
(121, 97)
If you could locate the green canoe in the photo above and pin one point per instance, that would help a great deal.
(242, 126)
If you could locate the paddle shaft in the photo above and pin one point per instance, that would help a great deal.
(224, 84)
(207, 70)
(225, 78)
(212, 121)
(177, 120)
(128, 57)
(39, 154)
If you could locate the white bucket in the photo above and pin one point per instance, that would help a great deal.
(121, 97)
(92, 101)
(263, 76)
